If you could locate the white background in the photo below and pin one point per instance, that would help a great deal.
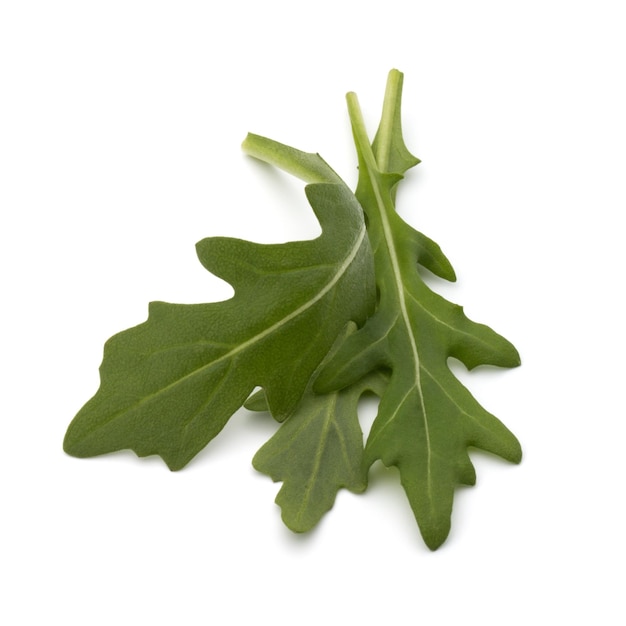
(120, 131)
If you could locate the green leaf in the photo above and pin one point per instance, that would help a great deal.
(169, 385)
(317, 451)
(426, 419)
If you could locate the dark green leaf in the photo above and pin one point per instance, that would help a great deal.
(426, 418)
(169, 385)
(316, 452)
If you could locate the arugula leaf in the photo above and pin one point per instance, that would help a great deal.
(317, 451)
(426, 418)
(169, 385)
(315, 324)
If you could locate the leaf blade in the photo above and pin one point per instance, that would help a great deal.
(317, 451)
(426, 418)
(169, 385)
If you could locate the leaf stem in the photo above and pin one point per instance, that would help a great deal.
(384, 137)
(307, 166)
(360, 132)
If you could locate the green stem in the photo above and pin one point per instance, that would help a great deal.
(359, 131)
(378, 153)
(384, 137)
(307, 166)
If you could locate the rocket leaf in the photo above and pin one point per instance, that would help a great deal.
(426, 418)
(315, 324)
(169, 385)
(317, 451)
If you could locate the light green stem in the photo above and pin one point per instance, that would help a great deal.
(307, 166)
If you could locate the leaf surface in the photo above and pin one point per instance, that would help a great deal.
(426, 419)
(316, 452)
(169, 385)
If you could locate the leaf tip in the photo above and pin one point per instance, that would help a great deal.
(512, 357)
(68, 446)
(436, 537)
(517, 453)
(73, 441)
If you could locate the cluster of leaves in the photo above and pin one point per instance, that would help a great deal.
(314, 324)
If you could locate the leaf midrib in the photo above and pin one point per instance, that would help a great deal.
(400, 293)
(373, 168)
(317, 461)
